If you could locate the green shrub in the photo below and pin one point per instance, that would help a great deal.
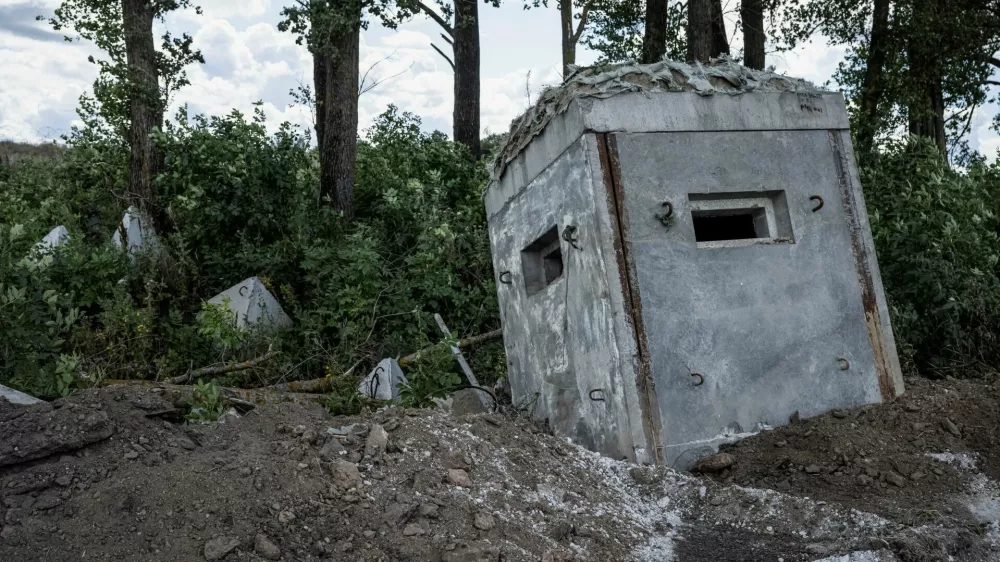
(935, 231)
(242, 202)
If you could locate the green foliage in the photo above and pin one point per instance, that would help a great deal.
(432, 376)
(616, 30)
(207, 404)
(935, 231)
(244, 202)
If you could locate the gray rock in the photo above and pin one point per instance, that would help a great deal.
(413, 529)
(459, 477)
(378, 438)
(895, 479)
(220, 547)
(951, 428)
(473, 553)
(483, 521)
(265, 548)
(429, 510)
(813, 469)
(331, 450)
(345, 474)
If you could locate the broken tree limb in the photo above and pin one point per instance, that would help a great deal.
(462, 344)
(247, 396)
(222, 369)
(457, 352)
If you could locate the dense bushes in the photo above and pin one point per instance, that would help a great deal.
(935, 231)
(241, 203)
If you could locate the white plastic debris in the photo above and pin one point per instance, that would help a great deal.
(17, 397)
(58, 236)
(253, 304)
(384, 382)
(139, 233)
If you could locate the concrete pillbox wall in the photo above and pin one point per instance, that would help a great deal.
(699, 292)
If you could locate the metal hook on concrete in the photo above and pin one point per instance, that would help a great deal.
(819, 199)
(665, 216)
(569, 235)
(599, 391)
(507, 275)
(844, 364)
(700, 377)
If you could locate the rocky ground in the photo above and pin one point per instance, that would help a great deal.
(114, 474)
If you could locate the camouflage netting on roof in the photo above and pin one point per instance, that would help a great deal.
(721, 76)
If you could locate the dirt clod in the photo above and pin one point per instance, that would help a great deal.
(219, 547)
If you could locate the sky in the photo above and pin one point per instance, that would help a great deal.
(248, 59)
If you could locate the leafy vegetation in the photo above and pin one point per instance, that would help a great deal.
(243, 202)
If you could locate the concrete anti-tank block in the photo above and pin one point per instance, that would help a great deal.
(253, 304)
(384, 382)
(139, 234)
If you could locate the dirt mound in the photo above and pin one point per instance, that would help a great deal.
(930, 457)
(123, 479)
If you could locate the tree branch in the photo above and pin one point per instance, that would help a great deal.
(584, 15)
(436, 17)
(440, 52)
(212, 371)
(447, 39)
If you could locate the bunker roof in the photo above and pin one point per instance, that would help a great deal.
(720, 76)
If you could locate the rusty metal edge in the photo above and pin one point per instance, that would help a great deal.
(607, 149)
(873, 318)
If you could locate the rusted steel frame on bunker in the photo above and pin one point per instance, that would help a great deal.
(607, 148)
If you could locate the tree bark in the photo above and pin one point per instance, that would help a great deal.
(340, 135)
(720, 41)
(873, 86)
(699, 30)
(925, 110)
(752, 18)
(654, 40)
(145, 107)
(465, 115)
(568, 46)
(320, 62)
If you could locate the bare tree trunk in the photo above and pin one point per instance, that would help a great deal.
(654, 41)
(752, 18)
(340, 137)
(720, 41)
(873, 86)
(320, 62)
(699, 30)
(145, 107)
(568, 46)
(465, 115)
(926, 109)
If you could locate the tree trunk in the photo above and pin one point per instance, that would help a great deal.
(145, 107)
(465, 116)
(873, 86)
(752, 17)
(925, 110)
(568, 46)
(699, 30)
(320, 61)
(720, 41)
(654, 41)
(340, 135)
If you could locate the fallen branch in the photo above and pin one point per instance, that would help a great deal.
(248, 396)
(462, 344)
(222, 369)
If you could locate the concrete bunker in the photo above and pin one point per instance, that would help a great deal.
(683, 255)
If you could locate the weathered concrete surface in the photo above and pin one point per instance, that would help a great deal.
(561, 342)
(17, 397)
(253, 305)
(138, 231)
(56, 237)
(384, 382)
(795, 321)
(34, 432)
(764, 325)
